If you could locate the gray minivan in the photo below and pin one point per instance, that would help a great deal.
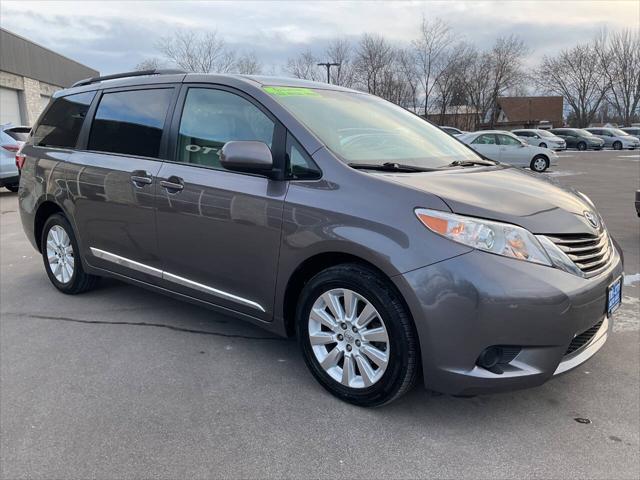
(389, 248)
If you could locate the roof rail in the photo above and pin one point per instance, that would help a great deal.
(138, 73)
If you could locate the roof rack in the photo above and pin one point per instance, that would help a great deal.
(138, 73)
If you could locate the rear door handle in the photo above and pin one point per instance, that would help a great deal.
(172, 184)
(140, 178)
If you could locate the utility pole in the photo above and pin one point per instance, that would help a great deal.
(328, 65)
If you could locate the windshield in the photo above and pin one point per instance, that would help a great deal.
(619, 133)
(583, 133)
(544, 133)
(364, 129)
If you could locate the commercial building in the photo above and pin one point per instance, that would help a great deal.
(29, 75)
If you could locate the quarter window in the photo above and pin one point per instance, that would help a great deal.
(130, 122)
(61, 124)
(299, 165)
(211, 118)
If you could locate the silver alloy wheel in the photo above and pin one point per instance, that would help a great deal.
(539, 164)
(60, 254)
(349, 338)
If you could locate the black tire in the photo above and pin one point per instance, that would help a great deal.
(80, 281)
(535, 167)
(617, 145)
(543, 145)
(404, 360)
(12, 188)
(581, 146)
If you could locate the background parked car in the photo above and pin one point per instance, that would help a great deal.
(505, 147)
(615, 138)
(579, 138)
(452, 131)
(11, 139)
(635, 131)
(541, 138)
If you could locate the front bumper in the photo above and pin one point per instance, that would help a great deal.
(477, 300)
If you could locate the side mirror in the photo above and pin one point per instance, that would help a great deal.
(245, 156)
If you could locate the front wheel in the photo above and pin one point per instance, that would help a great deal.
(356, 335)
(61, 257)
(539, 163)
(582, 146)
(617, 145)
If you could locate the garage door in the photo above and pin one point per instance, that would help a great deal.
(9, 106)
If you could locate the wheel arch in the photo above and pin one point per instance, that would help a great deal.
(313, 265)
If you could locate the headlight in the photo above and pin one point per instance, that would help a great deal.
(493, 237)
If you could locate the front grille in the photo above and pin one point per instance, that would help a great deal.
(591, 253)
(583, 338)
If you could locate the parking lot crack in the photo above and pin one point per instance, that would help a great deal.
(145, 324)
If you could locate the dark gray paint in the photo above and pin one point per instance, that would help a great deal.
(248, 235)
(22, 57)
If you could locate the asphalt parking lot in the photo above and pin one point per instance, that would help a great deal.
(124, 383)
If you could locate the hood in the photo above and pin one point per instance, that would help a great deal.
(504, 194)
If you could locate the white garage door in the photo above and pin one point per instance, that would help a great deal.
(9, 106)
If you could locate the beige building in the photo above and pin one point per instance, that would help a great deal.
(29, 75)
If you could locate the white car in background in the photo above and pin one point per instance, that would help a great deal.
(633, 131)
(505, 147)
(541, 138)
(11, 139)
(615, 138)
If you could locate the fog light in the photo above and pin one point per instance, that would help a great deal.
(490, 357)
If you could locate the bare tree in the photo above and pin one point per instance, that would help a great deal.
(305, 66)
(430, 49)
(619, 55)
(374, 56)
(193, 52)
(449, 87)
(340, 51)
(149, 64)
(408, 74)
(505, 69)
(578, 76)
(248, 64)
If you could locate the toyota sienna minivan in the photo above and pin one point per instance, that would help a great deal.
(389, 248)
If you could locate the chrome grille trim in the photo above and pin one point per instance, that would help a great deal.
(591, 253)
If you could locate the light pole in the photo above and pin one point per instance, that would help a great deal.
(328, 65)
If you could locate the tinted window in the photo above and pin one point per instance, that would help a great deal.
(210, 118)
(300, 166)
(507, 140)
(523, 134)
(61, 124)
(485, 139)
(130, 122)
(18, 133)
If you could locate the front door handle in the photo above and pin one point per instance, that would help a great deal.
(140, 178)
(173, 184)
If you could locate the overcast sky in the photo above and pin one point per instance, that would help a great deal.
(115, 36)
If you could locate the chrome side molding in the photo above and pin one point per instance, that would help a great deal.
(185, 282)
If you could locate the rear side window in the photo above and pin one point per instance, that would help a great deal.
(210, 118)
(61, 124)
(130, 122)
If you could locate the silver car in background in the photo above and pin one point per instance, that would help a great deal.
(633, 131)
(11, 139)
(505, 147)
(615, 138)
(541, 138)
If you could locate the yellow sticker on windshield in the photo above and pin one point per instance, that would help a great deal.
(291, 91)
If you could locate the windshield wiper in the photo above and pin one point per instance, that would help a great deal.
(391, 167)
(470, 163)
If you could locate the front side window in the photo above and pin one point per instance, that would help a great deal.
(485, 139)
(544, 133)
(364, 129)
(211, 118)
(61, 124)
(509, 141)
(130, 122)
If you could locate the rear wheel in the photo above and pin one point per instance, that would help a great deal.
(61, 257)
(582, 146)
(617, 145)
(539, 163)
(357, 336)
